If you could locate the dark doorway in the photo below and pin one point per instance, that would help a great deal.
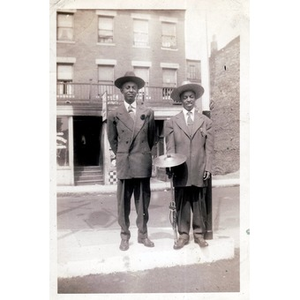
(87, 141)
(158, 149)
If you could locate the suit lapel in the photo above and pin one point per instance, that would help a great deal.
(198, 121)
(124, 117)
(139, 122)
(180, 120)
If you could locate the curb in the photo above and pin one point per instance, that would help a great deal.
(89, 252)
(109, 189)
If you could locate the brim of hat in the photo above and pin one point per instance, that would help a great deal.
(196, 88)
(120, 81)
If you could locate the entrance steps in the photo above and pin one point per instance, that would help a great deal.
(88, 175)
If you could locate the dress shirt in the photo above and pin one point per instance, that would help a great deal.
(192, 115)
(133, 106)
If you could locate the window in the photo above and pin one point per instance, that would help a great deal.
(169, 82)
(64, 80)
(168, 35)
(143, 72)
(193, 71)
(105, 29)
(106, 79)
(169, 77)
(140, 33)
(62, 147)
(65, 27)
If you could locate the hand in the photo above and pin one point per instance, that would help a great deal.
(206, 175)
(169, 172)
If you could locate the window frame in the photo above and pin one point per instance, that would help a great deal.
(70, 28)
(163, 43)
(106, 41)
(167, 88)
(65, 86)
(193, 71)
(144, 91)
(63, 153)
(109, 84)
(140, 32)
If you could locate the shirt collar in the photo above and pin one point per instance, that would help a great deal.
(186, 111)
(133, 105)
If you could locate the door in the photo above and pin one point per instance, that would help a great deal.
(86, 140)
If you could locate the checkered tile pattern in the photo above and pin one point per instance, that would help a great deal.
(112, 177)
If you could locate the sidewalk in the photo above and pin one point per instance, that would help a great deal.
(156, 185)
(87, 248)
(87, 252)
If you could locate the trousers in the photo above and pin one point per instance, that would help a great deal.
(140, 188)
(191, 201)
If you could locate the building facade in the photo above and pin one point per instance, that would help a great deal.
(225, 94)
(93, 48)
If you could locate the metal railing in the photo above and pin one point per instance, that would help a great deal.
(84, 93)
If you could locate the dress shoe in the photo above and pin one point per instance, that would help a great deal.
(180, 243)
(201, 242)
(146, 242)
(124, 245)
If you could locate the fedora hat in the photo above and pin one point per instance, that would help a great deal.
(129, 76)
(187, 86)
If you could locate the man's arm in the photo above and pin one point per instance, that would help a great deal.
(112, 133)
(169, 136)
(152, 138)
(170, 142)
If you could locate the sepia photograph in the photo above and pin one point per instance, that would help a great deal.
(150, 121)
(149, 149)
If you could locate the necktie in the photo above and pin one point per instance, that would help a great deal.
(190, 122)
(131, 112)
(189, 119)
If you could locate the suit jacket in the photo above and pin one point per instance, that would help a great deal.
(196, 145)
(132, 141)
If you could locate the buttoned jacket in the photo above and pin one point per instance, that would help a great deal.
(132, 141)
(195, 143)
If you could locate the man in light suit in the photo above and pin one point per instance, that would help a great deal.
(131, 134)
(190, 133)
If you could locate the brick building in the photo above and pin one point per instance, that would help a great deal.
(225, 94)
(93, 48)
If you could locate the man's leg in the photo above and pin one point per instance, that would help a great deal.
(124, 192)
(183, 209)
(142, 195)
(183, 216)
(199, 215)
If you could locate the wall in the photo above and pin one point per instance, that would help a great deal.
(225, 95)
(86, 50)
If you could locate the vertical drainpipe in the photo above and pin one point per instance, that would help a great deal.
(205, 100)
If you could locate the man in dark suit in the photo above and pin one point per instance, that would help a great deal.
(190, 133)
(131, 134)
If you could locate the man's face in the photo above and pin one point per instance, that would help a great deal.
(129, 90)
(188, 100)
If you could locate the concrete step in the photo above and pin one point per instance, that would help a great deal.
(88, 175)
(89, 169)
(89, 182)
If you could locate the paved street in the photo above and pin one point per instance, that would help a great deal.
(221, 276)
(92, 214)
